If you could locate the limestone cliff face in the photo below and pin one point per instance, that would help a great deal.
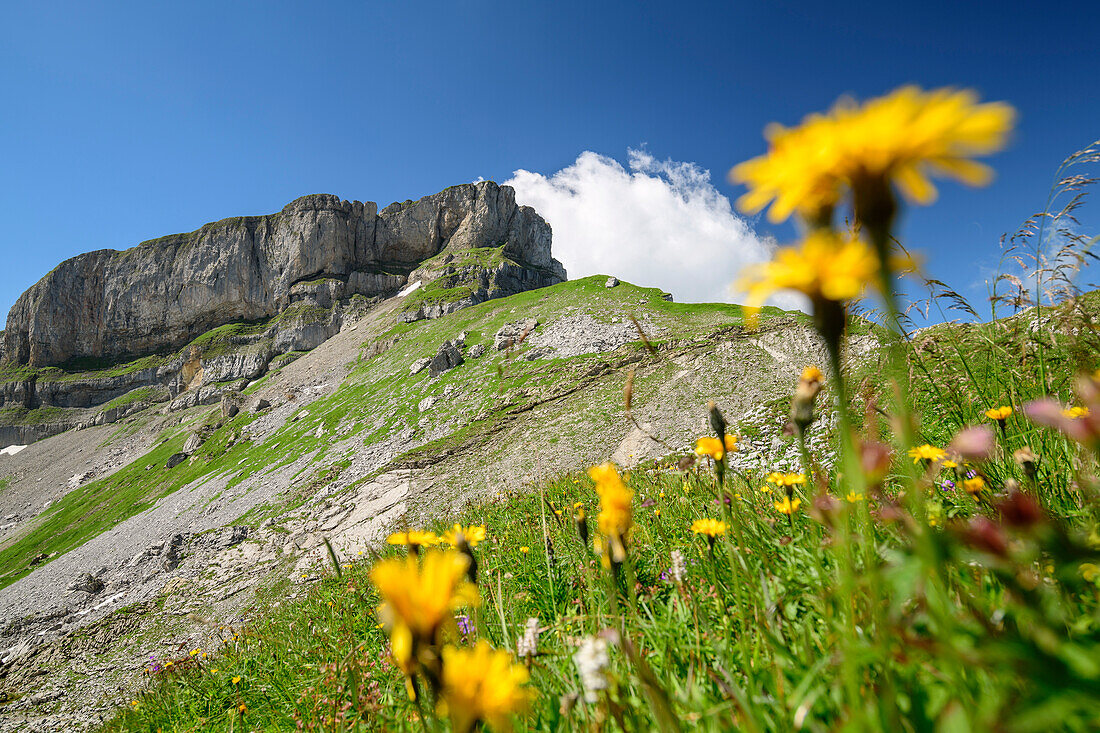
(163, 293)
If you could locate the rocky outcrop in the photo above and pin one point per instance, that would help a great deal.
(160, 295)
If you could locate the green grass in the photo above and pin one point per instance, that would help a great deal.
(751, 636)
(141, 394)
(853, 614)
(19, 415)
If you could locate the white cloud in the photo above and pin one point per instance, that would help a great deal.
(659, 224)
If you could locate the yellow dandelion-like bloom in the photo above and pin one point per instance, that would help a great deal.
(525, 549)
(974, 486)
(825, 267)
(716, 449)
(708, 527)
(482, 685)
(472, 534)
(787, 506)
(853, 497)
(786, 480)
(616, 515)
(811, 374)
(926, 452)
(999, 413)
(1075, 413)
(909, 134)
(236, 680)
(421, 596)
(903, 138)
(798, 174)
(413, 537)
(948, 463)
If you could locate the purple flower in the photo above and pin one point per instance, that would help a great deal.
(464, 626)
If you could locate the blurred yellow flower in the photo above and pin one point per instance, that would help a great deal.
(413, 537)
(1089, 571)
(811, 374)
(853, 497)
(787, 506)
(716, 449)
(948, 463)
(472, 534)
(709, 527)
(786, 480)
(481, 685)
(824, 267)
(908, 134)
(798, 174)
(926, 452)
(616, 515)
(525, 549)
(974, 485)
(902, 138)
(421, 596)
(999, 413)
(1074, 413)
(236, 680)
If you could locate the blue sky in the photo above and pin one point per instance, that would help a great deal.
(133, 120)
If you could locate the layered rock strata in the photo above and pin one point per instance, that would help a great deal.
(163, 293)
(294, 274)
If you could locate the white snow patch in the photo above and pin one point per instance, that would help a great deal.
(11, 450)
(409, 289)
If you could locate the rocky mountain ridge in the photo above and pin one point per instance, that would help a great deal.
(108, 333)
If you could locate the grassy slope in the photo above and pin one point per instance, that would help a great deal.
(322, 660)
(378, 399)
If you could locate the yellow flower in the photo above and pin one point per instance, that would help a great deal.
(421, 596)
(236, 679)
(787, 506)
(786, 479)
(853, 497)
(708, 527)
(799, 173)
(242, 708)
(482, 685)
(999, 413)
(811, 374)
(926, 453)
(901, 138)
(525, 549)
(472, 534)
(413, 537)
(910, 133)
(824, 267)
(1089, 571)
(1074, 413)
(616, 515)
(974, 485)
(948, 463)
(707, 446)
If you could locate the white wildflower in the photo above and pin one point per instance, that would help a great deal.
(528, 644)
(591, 660)
(679, 566)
